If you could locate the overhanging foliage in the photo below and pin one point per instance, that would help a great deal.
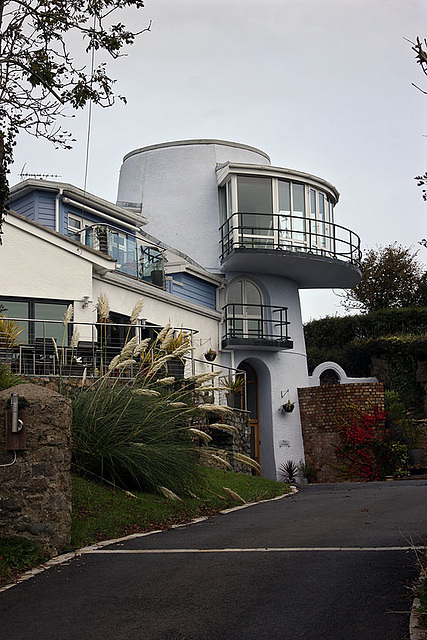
(40, 76)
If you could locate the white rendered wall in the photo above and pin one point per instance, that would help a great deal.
(278, 371)
(33, 266)
(37, 264)
(178, 190)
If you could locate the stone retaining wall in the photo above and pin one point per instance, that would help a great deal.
(237, 443)
(35, 491)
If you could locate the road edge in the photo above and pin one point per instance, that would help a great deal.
(66, 558)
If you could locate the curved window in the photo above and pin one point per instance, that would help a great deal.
(245, 309)
(260, 212)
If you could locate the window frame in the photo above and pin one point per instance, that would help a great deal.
(315, 232)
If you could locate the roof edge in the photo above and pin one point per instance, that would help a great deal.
(199, 141)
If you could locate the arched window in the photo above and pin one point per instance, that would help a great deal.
(245, 305)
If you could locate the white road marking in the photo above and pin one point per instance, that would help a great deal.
(250, 550)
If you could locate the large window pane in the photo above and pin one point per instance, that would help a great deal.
(284, 196)
(298, 199)
(253, 295)
(285, 225)
(254, 195)
(223, 204)
(313, 211)
(75, 226)
(45, 311)
(17, 309)
(245, 308)
(298, 211)
(322, 229)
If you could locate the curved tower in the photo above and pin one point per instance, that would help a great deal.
(269, 231)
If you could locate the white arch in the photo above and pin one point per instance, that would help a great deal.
(314, 379)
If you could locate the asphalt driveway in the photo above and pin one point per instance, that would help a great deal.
(333, 562)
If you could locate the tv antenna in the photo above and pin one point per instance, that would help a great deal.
(40, 176)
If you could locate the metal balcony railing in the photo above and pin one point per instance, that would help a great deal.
(47, 348)
(134, 256)
(272, 231)
(256, 325)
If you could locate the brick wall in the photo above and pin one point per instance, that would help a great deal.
(319, 408)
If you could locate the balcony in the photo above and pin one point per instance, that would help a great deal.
(133, 255)
(47, 349)
(313, 253)
(256, 326)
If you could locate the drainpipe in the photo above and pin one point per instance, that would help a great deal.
(219, 291)
(57, 199)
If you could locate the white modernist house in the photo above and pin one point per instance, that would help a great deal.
(217, 241)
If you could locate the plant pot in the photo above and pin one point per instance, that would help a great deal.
(415, 456)
(288, 408)
(234, 400)
(176, 368)
(210, 358)
(6, 356)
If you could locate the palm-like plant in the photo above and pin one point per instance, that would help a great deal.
(289, 471)
(9, 332)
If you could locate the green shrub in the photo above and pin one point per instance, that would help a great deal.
(134, 429)
(8, 378)
(17, 555)
(395, 337)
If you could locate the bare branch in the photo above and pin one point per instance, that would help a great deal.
(38, 76)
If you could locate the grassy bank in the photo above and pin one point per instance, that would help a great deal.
(102, 513)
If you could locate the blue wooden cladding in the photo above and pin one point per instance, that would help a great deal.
(193, 289)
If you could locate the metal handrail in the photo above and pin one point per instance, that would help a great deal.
(265, 324)
(280, 231)
(38, 355)
(133, 266)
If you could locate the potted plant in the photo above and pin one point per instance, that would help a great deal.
(234, 386)
(289, 471)
(176, 365)
(411, 433)
(210, 355)
(288, 407)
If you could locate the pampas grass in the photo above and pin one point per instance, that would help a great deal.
(233, 495)
(168, 493)
(220, 426)
(103, 307)
(200, 434)
(133, 439)
(138, 432)
(246, 460)
(67, 317)
(214, 408)
(136, 311)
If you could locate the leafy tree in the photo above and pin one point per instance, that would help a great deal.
(39, 74)
(391, 278)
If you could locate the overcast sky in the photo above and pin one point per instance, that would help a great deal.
(322, 86)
